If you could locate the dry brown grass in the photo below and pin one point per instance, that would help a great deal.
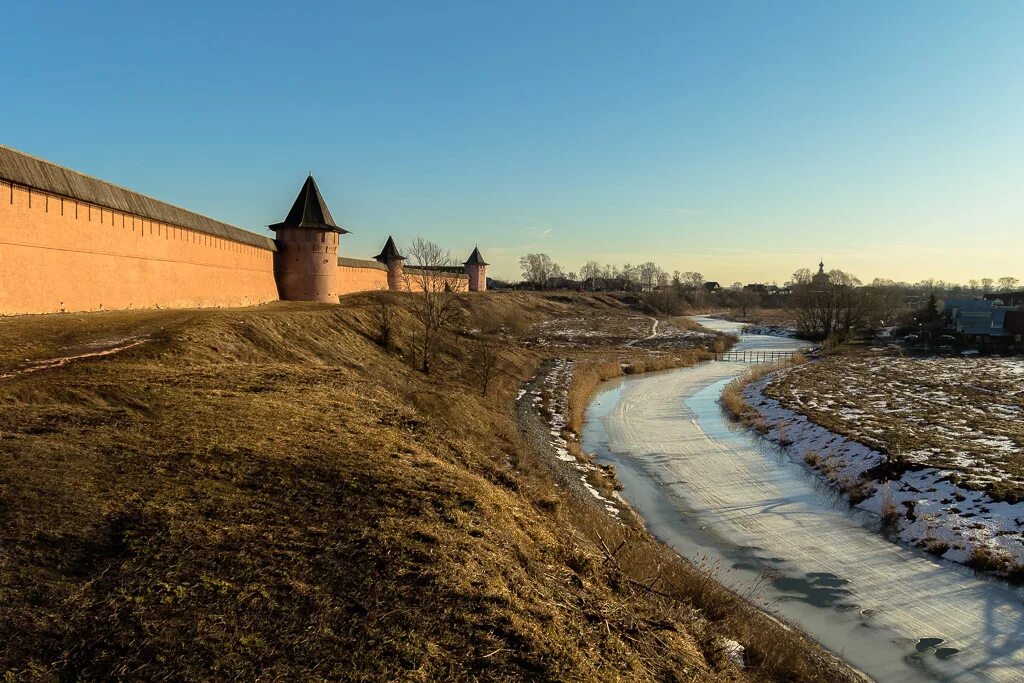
(631, 559)
(267, 492)
(732, 396)
(890, 511)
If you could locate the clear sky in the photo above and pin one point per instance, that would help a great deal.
(741, 139)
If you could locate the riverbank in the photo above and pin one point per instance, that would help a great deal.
(735, 623)
(885, 458)
(724, 494)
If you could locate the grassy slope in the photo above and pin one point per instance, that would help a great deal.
(265, 491)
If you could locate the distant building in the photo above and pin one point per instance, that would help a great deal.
(1007, 298)
(820, 280)
(1014, 325)
(979, 319)
(712, 286)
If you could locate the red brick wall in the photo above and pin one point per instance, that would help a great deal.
(61, 255)
(352, 279)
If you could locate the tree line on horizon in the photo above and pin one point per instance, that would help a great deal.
(836, 307)
(540, 271)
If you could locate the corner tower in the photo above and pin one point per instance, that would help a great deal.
(390, 257)
(476, 269)
(306, 261)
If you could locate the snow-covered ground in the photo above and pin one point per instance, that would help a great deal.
(620, 331)
(935, 510)
(669, 335)
(553, 400)
(961, 414)
(770, 331)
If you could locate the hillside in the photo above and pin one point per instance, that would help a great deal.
(269, 493)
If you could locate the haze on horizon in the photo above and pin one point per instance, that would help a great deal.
(740, 139)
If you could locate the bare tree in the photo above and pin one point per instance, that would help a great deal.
(693, 280)
(747, 299)
(1008, 284)
(801, 276)
(431, 273)
(630, 276)
(590, 272)
(986, 285)
(835, 310)
(888, 298)
(647, 273)
(384, 313)
(484, 361)
(538, 269)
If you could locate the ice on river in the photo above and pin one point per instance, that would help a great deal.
(864, 597)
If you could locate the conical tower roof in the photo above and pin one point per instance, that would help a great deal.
(389, 252)
(475, 259)
(309, 211)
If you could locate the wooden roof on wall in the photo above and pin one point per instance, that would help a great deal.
(26, 170)
(361, 263)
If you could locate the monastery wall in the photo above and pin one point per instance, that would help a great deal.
(60, 254)
(70, 242)
(356, 275)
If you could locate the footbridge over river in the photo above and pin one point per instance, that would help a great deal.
(756, 356)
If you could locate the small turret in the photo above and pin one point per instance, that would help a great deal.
(390, 257)
(306, 261)
(476, 270)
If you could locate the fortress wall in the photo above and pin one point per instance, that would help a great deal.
(356, 276)
(413, 282)
(59, 254)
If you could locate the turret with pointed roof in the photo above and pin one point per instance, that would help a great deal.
(389, 252)
(475, 259)
(390, 257)
(476, 270)
(309, 211)
(306, 261)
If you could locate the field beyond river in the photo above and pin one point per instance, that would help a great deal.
(936, 445)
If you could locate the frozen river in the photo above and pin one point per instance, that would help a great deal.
(716, 491)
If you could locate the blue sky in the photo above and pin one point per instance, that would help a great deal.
(743, 139)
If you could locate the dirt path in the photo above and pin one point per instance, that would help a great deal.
(652, 335)
(104, 349)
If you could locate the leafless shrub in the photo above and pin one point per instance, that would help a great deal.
(432, 277)
(783, 439)
(384, 314)
(484, 361)
(934, 545)
(890, 510)
(987, 558)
